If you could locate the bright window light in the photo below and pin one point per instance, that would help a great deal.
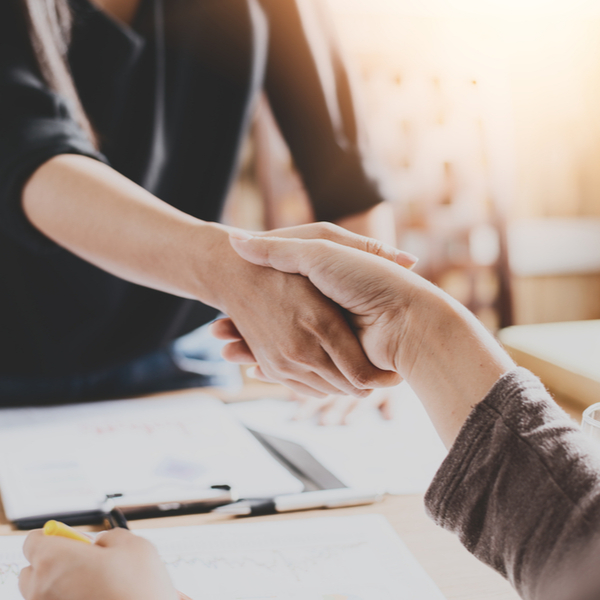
(528, 8)
(477, 8)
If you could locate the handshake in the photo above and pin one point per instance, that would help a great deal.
(399, 326)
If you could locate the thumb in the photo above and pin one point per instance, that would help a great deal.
(344, 237)
(114, 537)
(349, 277)
(287, 255)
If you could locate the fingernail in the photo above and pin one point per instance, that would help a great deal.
(403, 257)
(239, 234)
(251, 372)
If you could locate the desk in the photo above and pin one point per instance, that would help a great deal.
(565, 356)
(458, 574)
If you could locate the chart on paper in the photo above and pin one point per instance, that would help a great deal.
(279, 573)
(339, 558)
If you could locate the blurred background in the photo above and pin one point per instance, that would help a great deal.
(485, 117)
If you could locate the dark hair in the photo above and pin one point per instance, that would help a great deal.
(49, 26)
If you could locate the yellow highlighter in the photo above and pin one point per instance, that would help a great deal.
(62, 530)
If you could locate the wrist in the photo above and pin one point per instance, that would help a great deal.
(222, 278)
(210, 259)
(415, 331)
(448, 358)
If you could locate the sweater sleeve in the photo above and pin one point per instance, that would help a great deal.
(521, 488)
(35, 125)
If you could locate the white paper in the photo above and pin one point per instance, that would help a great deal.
(399, 456)
(11, 563)
(65, 459)
(343, 558)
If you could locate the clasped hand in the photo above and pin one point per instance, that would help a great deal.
(374, 293)
(295, 333)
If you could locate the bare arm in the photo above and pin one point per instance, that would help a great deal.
(102, 217)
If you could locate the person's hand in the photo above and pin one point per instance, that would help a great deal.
(333, 409)
(118, 566)
(372, 290)
(297, 336)
(342, 410)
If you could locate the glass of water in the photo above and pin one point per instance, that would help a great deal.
(590, 423)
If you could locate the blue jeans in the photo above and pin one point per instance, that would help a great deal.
(191, 361)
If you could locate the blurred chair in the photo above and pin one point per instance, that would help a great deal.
(565, 356)
(556, 268)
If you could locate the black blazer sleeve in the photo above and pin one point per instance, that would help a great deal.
(35, 125)
(311, 96)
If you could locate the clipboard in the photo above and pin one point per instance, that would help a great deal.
(158, 455)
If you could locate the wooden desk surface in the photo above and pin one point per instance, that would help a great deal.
(456, 572)
(565, 356)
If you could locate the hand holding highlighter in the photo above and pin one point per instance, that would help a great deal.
(56, 528)
(61, 530)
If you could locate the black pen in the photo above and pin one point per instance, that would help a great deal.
(113, 516)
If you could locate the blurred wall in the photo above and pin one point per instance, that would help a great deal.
(525, 133)
(540, 79)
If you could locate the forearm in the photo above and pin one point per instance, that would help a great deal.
(313, 101)
(97, 214)
(520, 484)
(377, 222)
(448, 357)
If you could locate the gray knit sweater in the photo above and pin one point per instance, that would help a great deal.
(521, 488)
